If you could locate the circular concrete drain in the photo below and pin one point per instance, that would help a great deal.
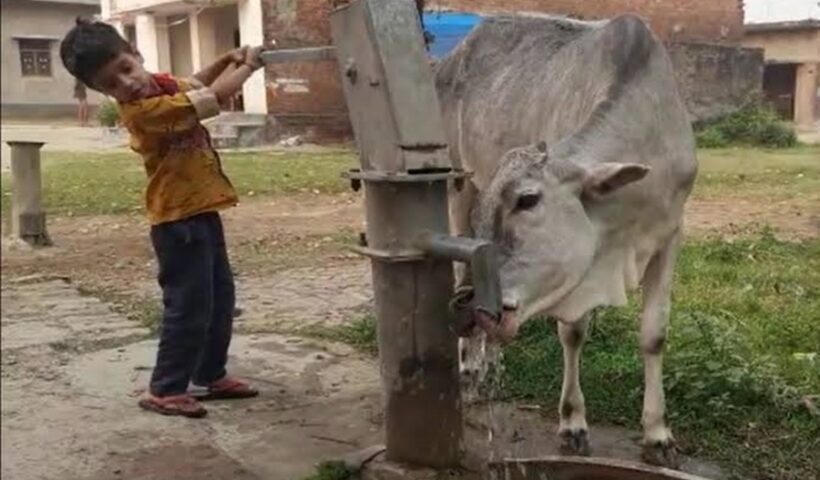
(581, 468)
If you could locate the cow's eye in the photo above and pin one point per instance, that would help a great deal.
(527, 201)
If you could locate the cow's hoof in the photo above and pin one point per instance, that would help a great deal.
(575, 442)
(662, 454)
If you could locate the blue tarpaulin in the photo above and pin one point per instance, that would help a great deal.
(448, 29)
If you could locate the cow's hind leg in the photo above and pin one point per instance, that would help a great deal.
(658, 443)
(572, 413)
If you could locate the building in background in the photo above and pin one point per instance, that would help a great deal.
(715, 72)
(182, 36)
(789, 34)
(34, 82)
(672, 20)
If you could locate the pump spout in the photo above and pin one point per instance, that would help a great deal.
(484, 298)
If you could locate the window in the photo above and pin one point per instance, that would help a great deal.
(35, 57)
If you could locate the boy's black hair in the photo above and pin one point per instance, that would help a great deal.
(89, 46)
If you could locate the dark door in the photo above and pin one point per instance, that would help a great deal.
(778, 86)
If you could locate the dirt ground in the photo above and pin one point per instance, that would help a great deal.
(73, 363)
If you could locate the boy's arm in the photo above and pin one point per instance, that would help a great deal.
(207, 75)
(226, 86)
(183, 111)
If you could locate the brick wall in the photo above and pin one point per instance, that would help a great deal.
(715, 79)
(308, 97)
(672, 20)
(303, 96)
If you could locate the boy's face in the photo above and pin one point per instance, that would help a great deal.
(124, 78)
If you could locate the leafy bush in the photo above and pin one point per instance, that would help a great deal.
(754, 124)
(711, 138)
(777, 135)
(108, 115)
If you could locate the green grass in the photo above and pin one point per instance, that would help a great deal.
(113, 183)
(770, 175)
(332, 471)
(360, 333)
(743, 313)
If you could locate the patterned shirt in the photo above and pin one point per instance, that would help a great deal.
(185, 175)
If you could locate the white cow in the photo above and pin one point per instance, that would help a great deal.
(583, 158)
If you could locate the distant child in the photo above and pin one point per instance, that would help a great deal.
(82, 102)
(186, 189)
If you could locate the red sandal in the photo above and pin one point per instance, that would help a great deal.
(174, 405)
(227, 388)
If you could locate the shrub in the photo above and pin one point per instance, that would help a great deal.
(777, 135)
(108, 115)
(711, 138)
(753, 124)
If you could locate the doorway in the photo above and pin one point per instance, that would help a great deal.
(778, 86)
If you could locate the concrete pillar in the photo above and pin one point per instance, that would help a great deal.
(203, 39)
(251, 32)
(153, 43)
(28, 221)
(105, 10)
(146, 27)
(163, 44)
(805, 93)
(196, 51)
(119, 26)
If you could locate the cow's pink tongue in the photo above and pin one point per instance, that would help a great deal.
(501, 331)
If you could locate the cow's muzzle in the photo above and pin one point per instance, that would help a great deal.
(470, 314)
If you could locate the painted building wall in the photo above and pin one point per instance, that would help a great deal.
(793, 46)
(771, 11)
(38, 96)
(672, 20)
(799, 48)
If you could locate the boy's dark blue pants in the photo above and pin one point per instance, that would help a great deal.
(198, 295)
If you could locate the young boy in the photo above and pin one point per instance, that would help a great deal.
(186, 189)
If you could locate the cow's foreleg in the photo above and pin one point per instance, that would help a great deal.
(573, 421)
(658, 443)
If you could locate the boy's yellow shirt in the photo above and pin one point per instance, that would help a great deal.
(185, 176)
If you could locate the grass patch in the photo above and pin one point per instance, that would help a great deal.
(769, 175)
(113, 183)
(360, 334)
(333, 471)
(743, 313)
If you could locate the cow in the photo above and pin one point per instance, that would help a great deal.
(582, 157)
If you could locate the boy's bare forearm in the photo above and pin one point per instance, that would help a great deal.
(228, 85)
(209, 74)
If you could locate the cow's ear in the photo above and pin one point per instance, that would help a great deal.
(606, 178)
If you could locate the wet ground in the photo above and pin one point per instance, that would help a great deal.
(72, 370)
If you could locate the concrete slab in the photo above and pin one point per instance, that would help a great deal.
(68, 403)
